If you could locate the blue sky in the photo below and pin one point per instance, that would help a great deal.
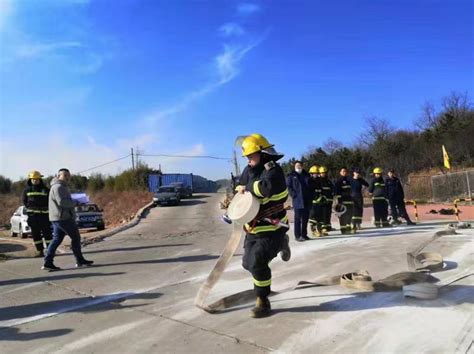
(83, 81)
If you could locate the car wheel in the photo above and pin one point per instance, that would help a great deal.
(21, 234)
(12, 233)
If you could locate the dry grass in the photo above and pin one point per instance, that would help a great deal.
(120, 207)
(8, 204)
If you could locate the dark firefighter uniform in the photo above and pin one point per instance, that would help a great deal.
(344, 196)
(356, 190)
(396, 198)
(379, 201)
(327, 195)
(266, 234)
(317, 203)
(35, 199)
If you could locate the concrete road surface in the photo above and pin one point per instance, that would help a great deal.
(139, 296)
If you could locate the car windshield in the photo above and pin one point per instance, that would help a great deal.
(86, 208)
(166, 190)
(178, 184)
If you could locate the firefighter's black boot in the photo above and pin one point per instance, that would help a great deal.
(285, 252)
(262, 308)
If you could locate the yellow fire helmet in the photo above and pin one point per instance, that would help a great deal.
(314, 169)
(257, 142)
(378, 170)
(35, 175)
(323, 169)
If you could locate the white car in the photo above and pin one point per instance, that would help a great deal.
(19, 223)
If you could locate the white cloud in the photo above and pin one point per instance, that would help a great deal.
(226, 66)
(34, 50)
(247, 8)
(6, 10)
(231, 29)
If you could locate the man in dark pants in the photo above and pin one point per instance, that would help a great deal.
(315, 221)
(266, 234)
(357, 183)
(379, 198)
(35, 199)
(327, 193)
(62, 216)
(344, 196)
(396, 198)
(299, 187)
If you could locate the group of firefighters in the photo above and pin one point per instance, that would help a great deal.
(266, 235)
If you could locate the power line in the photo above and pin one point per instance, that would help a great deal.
(104, 164)
(188, 156)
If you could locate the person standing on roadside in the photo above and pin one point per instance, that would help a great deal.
(357, 184)
(62, 216)
(396, 198)
(35, 199)
(299, 188)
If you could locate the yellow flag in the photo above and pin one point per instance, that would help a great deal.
(446, 159)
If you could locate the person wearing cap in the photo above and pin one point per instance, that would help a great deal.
(299, 188)
(327, 194)
(396, 198)
(62, 216)
(344, 196)
(379, 198)
(357, 184)
(315, 213)
(266, 234)
(35, 199)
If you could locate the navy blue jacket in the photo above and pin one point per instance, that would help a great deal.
(394, 189)
(357, 185)
(299, 188)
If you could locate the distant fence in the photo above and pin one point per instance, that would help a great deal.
(453, 185)
(441, 188)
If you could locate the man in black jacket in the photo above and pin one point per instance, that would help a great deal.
(357, 183)
(35, 199)
(396, 198)
(299, 188)
(327, 194)
(266, 234)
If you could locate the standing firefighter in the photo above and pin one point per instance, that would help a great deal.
(327, 195)
(266, 234)
(357, 183)
(35, 199)
(396, 198)
(379, 198)
(315, 220)
(344, 197)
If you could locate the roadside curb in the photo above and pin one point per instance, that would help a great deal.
(136, 219)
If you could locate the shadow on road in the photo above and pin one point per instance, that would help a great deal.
(449, 296)
(14, 334)
(55, 278)
(188, 202)
(81, 305)
(11, 247)
(185, 259)
(125, 249)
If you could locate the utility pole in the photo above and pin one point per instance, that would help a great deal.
(133, 161)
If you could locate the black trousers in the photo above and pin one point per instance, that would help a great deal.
(259, 250)
(315, 217)
(40, 228)
(301, 222)
(326, 211)
(399, 210)
(380, 212)
(358, 210)
(346, 218)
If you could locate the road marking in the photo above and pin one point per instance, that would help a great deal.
(105, 334)
(21, 288)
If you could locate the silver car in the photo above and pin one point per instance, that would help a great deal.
(19, 223)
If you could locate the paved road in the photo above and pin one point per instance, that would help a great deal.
(139, 296)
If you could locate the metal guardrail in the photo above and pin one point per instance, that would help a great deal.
(456, 210)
